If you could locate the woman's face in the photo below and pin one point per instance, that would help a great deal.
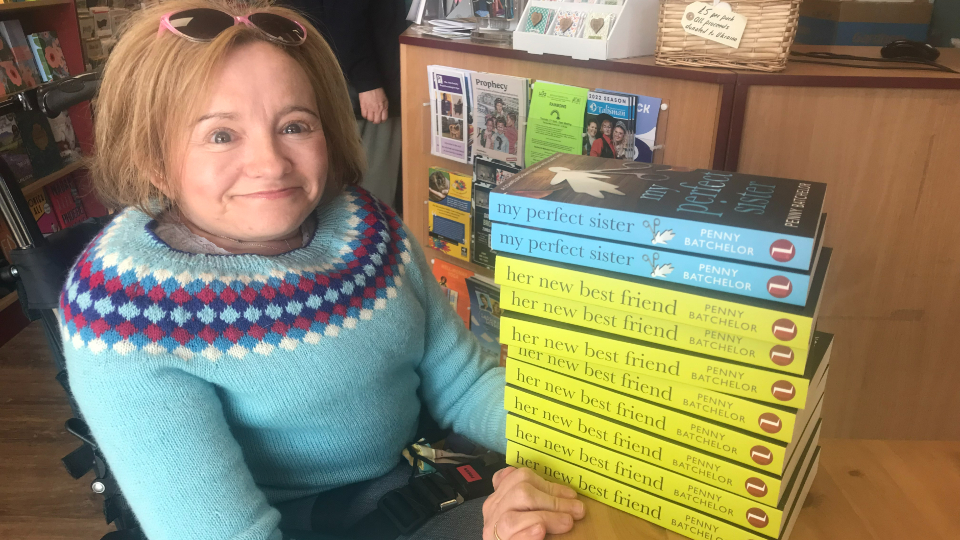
(606, 128)
(618, 134)
(592, 129)
(256, 159)
(489, 125)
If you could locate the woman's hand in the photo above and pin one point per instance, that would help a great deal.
(374, 105)
(524, 506)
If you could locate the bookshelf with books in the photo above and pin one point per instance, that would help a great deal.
(59, 18)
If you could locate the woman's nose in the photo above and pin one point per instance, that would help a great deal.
(266, 158)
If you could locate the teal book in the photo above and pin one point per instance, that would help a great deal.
(757, 220)
(49, 56)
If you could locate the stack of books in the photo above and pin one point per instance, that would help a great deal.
(660, 322)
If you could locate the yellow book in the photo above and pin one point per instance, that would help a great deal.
(765, 453)
(751, 482)
(682, 336)
(449, 220)
(742, 511)
(757, 417)
(567, 341)
(738, 315)
(662, 512)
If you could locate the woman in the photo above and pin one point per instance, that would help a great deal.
(252, 329)
(603, 146)
(619, 144)
(589, 137)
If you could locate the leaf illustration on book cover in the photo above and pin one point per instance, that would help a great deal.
(584, 182)
(663, 237)
(662, 270)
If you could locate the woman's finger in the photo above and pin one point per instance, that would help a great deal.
(500, 475)
(523, 525)
(526, 497)
(527, 475)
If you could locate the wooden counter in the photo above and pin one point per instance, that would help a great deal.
(886, 141)
(865, 490)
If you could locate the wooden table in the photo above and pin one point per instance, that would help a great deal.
(865, 490)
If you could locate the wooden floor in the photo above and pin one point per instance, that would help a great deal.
(38, 499)
(865, 490)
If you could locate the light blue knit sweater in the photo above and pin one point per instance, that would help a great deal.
(219, 384)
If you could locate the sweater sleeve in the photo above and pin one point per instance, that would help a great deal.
(167, 442)
(461, 385)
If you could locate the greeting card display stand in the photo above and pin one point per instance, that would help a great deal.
(634, 31)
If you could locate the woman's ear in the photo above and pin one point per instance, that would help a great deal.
(159, 181)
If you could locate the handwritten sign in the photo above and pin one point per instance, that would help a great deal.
(714, 22)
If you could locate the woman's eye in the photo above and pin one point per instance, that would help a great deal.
(293, 129)
(221, 137)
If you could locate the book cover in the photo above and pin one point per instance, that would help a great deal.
(486, 175)
(741, 479)
(763, 320)
(66, 138)
(449, 207)
(715, 438)
(499, 116)
(736, 277)
(647, 115)
(450, 109)
(674, 516)
(485, 312)
(43, 212)
(785, 358)
(555, 120)
(13, 36)
(651, 478)
(609, 125)
(757, 219)
(64, 197)
(12, 150)
(39, 143)
(541, 340)
(453, 282)
(49, 57)
(9, 73)
(757, 417)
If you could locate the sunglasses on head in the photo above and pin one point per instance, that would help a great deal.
(205, 24)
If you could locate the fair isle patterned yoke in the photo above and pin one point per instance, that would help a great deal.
(122, 296)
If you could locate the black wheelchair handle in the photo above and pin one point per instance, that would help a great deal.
(61, 95)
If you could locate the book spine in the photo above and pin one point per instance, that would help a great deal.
(666, 514)
(665, 364)
(641, 475)
(711, 470)
(740, 413)
(763, 453)
(774, 284)
(750, 245)
(671, 334)
(731, 317)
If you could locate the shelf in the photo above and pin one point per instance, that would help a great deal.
(33, 188)
(23, 6)
(8, 300)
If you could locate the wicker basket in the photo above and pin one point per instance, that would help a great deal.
(765, 45)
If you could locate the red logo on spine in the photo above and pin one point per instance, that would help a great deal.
(782, 250)
(757, 518)
(761, 455)
(756, 487)
(770, 422)
(779, 287)
(784, 329)
(781, 355)
(783, 390)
